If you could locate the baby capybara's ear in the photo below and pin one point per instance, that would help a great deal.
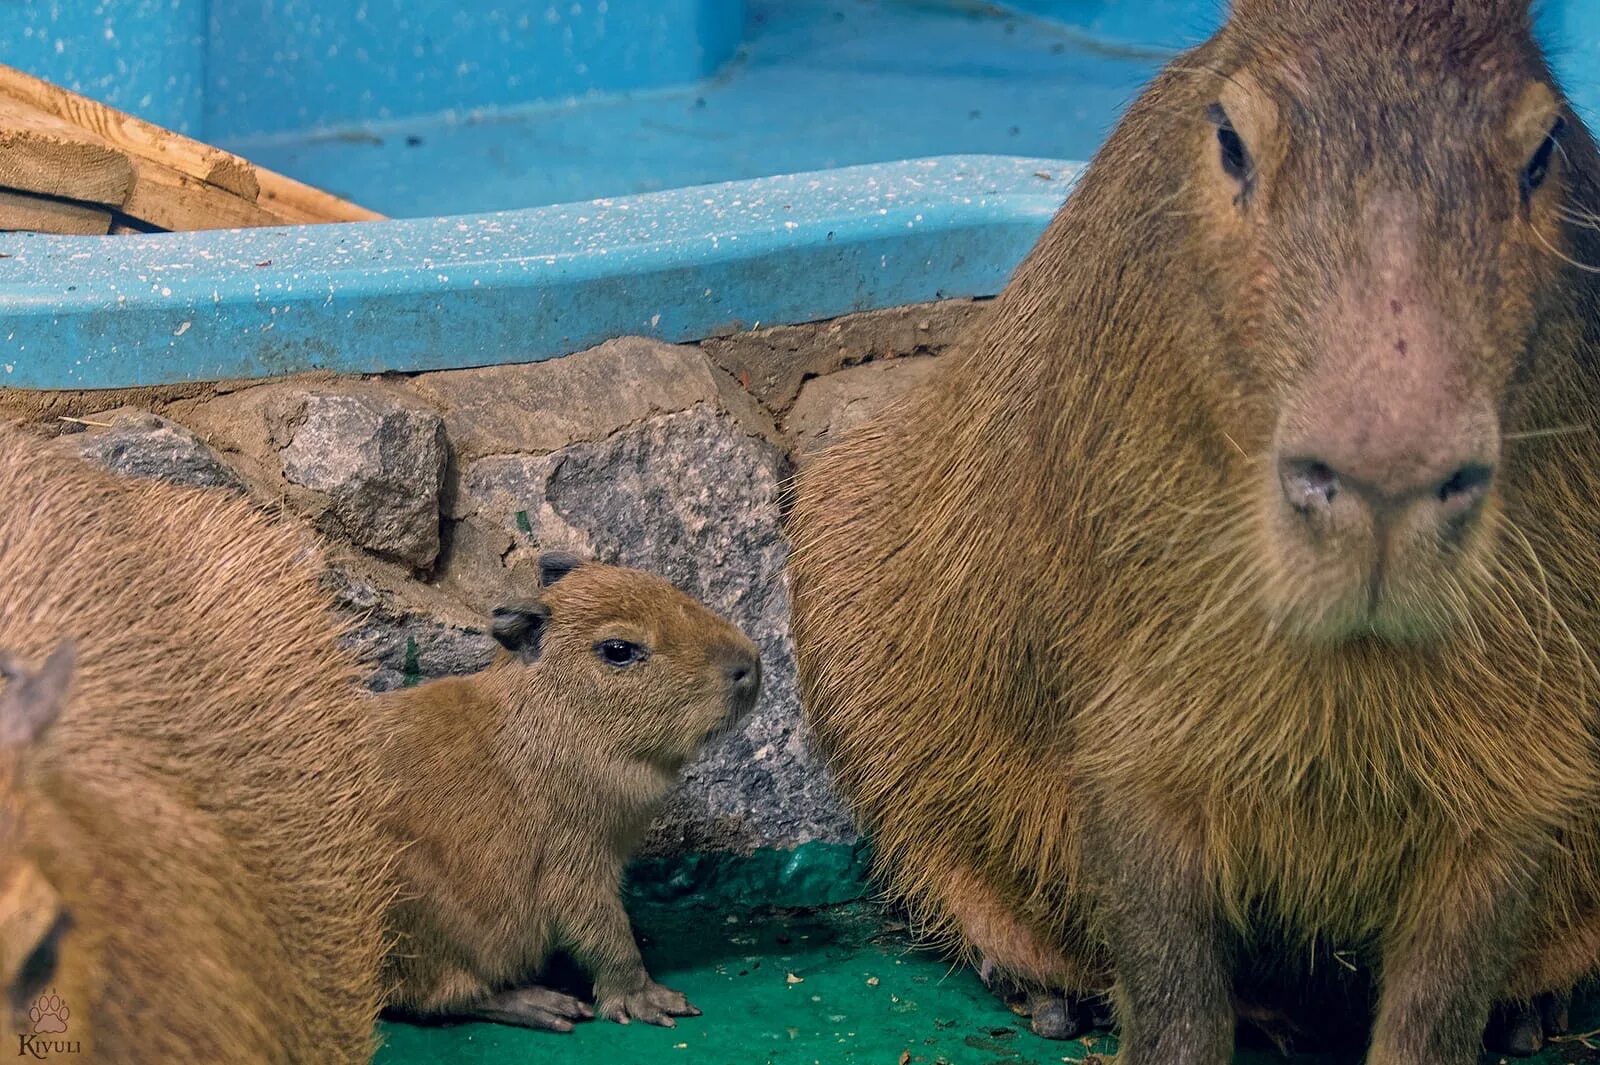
(553, 565)
(520, 628)
(32, 701)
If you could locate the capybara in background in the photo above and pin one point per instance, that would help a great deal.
(1234, 587)
(523, 790)
(189, 865)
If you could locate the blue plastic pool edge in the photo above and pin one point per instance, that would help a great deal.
(515, 286)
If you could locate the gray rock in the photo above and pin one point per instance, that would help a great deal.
(148, 446)
(694, 497)
(405, 646)
(381, 463)
(539, 407)
(831, 406)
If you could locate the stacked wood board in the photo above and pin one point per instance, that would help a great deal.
(71, 165)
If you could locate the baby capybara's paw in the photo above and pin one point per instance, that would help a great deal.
(649, 1002)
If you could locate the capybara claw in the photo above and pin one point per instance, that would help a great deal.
(534, 1007)
(652, 1004)
(1053, 1016)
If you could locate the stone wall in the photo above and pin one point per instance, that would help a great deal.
(437, 491)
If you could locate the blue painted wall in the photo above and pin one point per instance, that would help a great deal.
(1138, 23)
(144, 56)
(281, 65)
(231, 68)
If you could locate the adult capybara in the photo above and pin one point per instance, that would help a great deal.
(189, 866)
(523, 790)
(1233, 588)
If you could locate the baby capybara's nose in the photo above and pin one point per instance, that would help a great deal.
(742, 666)
(1449, 492)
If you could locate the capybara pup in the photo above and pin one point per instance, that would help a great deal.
(522, 791)
(189, 866)
(1234, 587)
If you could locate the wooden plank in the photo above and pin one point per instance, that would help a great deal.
(134, 135)
(43, 214)
(166, 199)
(299, 202)
(42, 154)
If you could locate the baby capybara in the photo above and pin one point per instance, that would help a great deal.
(1233, 588)
(522, 791)
(188, 867)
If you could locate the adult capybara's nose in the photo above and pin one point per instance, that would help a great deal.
(1319, 487)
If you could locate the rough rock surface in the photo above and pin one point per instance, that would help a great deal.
(831, 406)
(545, 406)
(404, 645)
(139, 444)
(694, 497)
(774, 363)
(380, 462)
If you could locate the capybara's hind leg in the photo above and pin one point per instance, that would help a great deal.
(1060, 997)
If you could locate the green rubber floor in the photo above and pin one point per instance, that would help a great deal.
(829, 987)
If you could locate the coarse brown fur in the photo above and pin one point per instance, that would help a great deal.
(186, 861)
(1100, 705)
(525, 788)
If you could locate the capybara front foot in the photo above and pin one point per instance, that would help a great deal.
(532, 1007)
(1521, 1029)
(1051, 1014)
(650, 1003)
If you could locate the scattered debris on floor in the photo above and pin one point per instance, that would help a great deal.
(839, 986)
(69, 165)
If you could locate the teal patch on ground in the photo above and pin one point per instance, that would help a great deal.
(811, 876)
(827, 987)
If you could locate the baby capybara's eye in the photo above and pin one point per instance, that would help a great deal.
(620, 653)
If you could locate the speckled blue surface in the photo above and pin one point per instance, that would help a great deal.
(144, 56)
(299, 64)
(818, 84)
(91, 312)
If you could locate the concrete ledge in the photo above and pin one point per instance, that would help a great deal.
(515, 286)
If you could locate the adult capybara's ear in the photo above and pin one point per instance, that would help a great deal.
(553, 565)
(32, 701)
(519, 627)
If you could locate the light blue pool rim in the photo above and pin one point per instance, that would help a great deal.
(515, 286)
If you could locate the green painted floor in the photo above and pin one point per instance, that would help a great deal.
(830, 987)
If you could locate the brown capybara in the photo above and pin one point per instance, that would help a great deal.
(522, 790)
(1233, 588)
(188, 868)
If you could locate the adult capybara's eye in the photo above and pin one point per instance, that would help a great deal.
(1235, 156)
(620, 653)
(1538, 168)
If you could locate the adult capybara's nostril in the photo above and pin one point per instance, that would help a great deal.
(1318, 491)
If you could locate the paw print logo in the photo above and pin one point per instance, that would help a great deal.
(49, 1015)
